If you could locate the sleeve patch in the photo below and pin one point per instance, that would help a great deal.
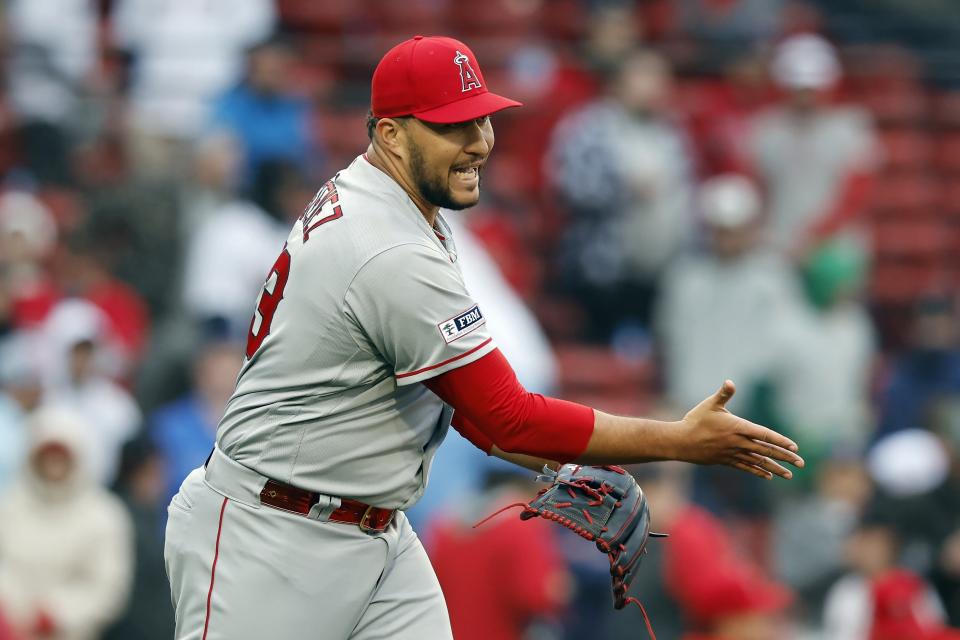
(462, 324)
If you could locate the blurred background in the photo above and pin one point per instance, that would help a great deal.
(764, 190)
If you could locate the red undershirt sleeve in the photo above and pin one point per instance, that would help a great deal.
(493, 408)
(472, 432)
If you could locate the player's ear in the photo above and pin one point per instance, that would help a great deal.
(392, 133)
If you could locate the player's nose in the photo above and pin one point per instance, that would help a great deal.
(480, 141)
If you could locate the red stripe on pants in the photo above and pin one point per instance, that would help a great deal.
(213, 569)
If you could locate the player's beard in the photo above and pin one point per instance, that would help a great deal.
(431, 188)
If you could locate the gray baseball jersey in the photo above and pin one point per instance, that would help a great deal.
(365, 301)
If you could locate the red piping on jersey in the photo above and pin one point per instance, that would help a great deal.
(445, 362)
(213, 569)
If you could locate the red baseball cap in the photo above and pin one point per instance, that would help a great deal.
(735, 590)
(435, 79)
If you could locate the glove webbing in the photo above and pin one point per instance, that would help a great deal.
(598, 496)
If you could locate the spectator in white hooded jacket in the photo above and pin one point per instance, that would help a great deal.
(65, 542)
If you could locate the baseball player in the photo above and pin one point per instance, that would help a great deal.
(364, 345)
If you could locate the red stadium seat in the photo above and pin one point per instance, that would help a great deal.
(921, 239)
(592, 369)
(564, 20)
(946, 110)
(617, 403)
(905, 193)
(499, 18)
(329, 16)
(948, 153)
(896, 103)
(951, 197)
(343, 134)
(906, 148)
(410, 17)
(882, 64)
(901, 284)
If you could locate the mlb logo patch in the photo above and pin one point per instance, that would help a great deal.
(460, 325)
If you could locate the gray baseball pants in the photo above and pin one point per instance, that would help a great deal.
(240, 570)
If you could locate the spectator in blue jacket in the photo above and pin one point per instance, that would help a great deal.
(268, 117)
(184, 429)
(927, 370)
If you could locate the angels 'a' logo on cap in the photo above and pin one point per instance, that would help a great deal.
(468, 77)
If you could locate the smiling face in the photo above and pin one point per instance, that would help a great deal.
(445, 161)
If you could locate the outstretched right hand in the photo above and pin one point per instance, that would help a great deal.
(713, 435)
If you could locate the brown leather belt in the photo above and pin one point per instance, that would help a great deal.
(288, 498)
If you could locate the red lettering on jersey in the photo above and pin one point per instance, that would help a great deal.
(270, 298)
(326, 195)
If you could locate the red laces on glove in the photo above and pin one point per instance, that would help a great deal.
(598, 495)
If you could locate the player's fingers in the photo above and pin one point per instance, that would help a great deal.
(723, 394)
(763, 434)
(772, 451)
(765, 463)
(752, 469)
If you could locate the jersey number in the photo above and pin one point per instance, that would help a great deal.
(272, 292)
(270, 297)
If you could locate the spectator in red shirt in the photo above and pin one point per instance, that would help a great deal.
(735, 603)
(86, 273)
(721, 593)
(881, 599)
(504, 576)
(899, 609)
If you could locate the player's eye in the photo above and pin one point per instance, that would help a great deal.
(466, 123)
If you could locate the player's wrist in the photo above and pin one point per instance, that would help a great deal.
(626, 440)
(669, 439)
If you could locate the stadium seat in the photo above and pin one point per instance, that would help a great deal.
(906, 104)
(948, 153)
(328, 17)
(900, 284)
(905, 193)
(946, 110)
(595, 369)
(906, 148)
(921, 239)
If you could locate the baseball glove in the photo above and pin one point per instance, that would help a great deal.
(605, 505)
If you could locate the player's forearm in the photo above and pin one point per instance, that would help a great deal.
(626, 440)
(522, 460)
(708, 434)
(615, 440)
(500, 412)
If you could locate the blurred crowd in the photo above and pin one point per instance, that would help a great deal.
(761, 190)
